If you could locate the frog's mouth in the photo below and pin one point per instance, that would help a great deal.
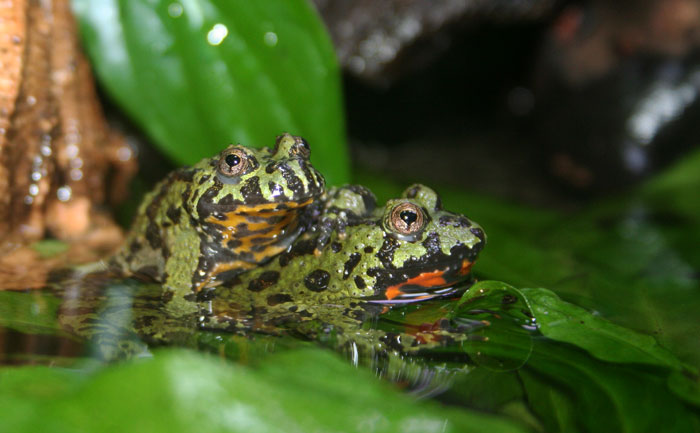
(428, 283)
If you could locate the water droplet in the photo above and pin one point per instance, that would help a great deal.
(31, 100)
(175, 10)
(76, 174)
(124, 153)
(357, 64)
(28, 199)
(64, 193)
(73, 138)
(33, 189)
(71, 150)
(36, 176)
(270, 39)
(76, 163)
(217, 34)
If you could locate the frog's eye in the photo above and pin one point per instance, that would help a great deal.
(407, 219)
(233, 163)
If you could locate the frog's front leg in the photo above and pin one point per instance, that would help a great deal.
(343, 206)
(181, 265)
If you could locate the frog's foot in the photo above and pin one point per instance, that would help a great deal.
(331, 223)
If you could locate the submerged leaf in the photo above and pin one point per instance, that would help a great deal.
(504, 342)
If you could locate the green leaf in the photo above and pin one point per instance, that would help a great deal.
(605, 397)
(179, 391)
(550, 403)
(197, 75)
(603, 339)
(686, 385)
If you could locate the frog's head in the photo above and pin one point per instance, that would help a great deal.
(242, 179)
(424, 250)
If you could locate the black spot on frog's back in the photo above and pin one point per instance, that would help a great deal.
(300, 248)
(386, 251)
(251, 191)
(174, 214)
(317, 280)
(265, 280)
(432, 243)
(293, 182)
(153, 235)
(278, 298)
(135, 247)
(350, 264)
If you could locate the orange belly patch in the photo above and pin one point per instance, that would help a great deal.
(429, 280)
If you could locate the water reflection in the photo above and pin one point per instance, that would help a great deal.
(421, 346)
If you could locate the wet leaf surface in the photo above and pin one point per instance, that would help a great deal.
(185, 391)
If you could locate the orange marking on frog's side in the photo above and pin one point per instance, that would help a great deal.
(426, 279)
(222, 267)
(429, 280)
(466, 267)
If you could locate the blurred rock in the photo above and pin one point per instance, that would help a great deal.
(380, 41)
(617, 89)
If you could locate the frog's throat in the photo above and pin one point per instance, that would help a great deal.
(430, 281)
(253, 234)
(254, 229)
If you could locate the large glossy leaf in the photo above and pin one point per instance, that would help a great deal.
(562, 321)
(199, 74)
(181, 391)
(566, 387)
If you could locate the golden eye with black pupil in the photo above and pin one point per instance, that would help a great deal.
(233, 163)
(407, 218)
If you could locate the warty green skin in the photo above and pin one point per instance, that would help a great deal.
(199, 227)
(361, 264)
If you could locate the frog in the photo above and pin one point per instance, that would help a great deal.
(205, 223)
(409, 250)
